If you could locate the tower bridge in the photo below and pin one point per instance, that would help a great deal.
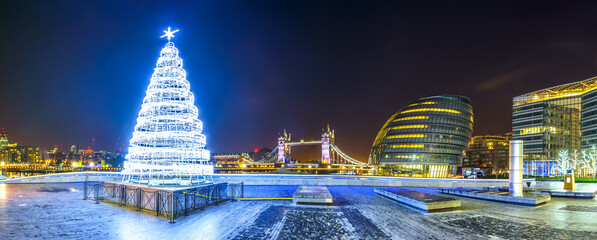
(333, 160)
(330, 152)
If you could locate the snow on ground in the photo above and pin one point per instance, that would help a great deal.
(57, 211)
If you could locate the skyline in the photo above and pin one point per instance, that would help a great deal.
(246, 62)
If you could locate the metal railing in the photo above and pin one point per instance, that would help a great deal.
(170, 204)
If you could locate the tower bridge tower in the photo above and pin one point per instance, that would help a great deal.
(327, 138)
(283, 148)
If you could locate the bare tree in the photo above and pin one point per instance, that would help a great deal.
(563, 160)
(589, 160)
(575, 160)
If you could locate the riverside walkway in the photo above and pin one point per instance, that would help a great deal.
(288, 180)
(358, 213)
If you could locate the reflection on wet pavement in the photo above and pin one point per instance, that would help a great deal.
(57, 211)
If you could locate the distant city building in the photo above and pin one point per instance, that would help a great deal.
(224, 163)
(3, 139)
(238, 163)
(259, 154)
(488, 153)
(75, 148)
(23, 155)
(14, 154)
(425, 139)
(552, 119)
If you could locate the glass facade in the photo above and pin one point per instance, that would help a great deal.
(546, 127)
(552, 119)
(424, 139)
(490, 152)
(589, 119)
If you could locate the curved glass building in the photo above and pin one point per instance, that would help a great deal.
(425, 139)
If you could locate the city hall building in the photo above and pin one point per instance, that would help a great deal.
(427, 138)
(548, 120)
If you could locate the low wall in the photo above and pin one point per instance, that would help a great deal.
(288, 180)
(371, 181)
(69, 178)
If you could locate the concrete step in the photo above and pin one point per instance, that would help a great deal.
(567, 193)
(423, 201)
(505, 197)
(313, 195)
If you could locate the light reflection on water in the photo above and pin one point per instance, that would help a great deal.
(22, 174)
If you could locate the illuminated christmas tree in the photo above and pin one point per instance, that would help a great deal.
(167, 147)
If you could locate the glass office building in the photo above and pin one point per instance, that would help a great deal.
(425, 139)
(552, 119)
(489, 153)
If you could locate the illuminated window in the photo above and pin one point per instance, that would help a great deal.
(407, 136)
(400, 156)
(431, 110)
(407, 146)
(423, 103)
(409, 126)
(412, 118)
(533, 130)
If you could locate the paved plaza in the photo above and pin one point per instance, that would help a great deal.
(57, 211)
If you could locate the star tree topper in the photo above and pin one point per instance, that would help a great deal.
(169, 33)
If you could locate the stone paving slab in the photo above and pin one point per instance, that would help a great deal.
(297, 222)
(423, 201)
(579, 208)
(497, 228)
(57, 211)
(505, 197)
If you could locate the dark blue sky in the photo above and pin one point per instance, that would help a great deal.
(76, 70)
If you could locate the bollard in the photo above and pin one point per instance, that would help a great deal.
(569, 183)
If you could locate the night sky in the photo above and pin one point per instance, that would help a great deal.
(76, 70)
